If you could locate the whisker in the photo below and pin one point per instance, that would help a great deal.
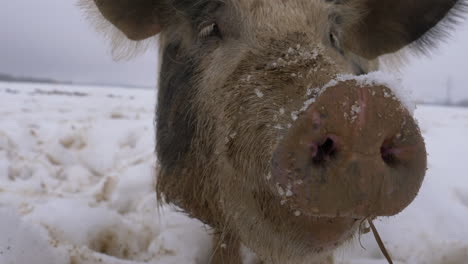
(379, 242)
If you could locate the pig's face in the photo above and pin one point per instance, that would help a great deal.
(255, 138)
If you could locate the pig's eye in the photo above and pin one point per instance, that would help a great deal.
(333, 40)
(209, 30)
(335, 43)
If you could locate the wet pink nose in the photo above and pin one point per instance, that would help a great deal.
(355, 152)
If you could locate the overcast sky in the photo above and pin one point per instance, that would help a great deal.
(52, 39)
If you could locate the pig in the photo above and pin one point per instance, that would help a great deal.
(259, 133)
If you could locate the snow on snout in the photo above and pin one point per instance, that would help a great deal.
(400, 93)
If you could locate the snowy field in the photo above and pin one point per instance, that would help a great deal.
(77, 180)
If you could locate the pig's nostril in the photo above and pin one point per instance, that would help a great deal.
(324, 152)
(388, 153)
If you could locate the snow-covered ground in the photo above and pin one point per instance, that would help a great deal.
(77, 186)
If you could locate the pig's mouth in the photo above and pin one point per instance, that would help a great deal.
(327, 233)
(331, 232)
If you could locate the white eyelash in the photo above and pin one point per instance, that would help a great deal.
(206, 31)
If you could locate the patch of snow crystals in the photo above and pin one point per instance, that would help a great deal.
(355, 110)
(371, 79)
(258, 93)
(282, 62)
(298, 182)
(280, 189)
(307, 104)
(233, 135)
(294, 115)
(385, 79)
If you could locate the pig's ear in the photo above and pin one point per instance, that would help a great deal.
(137, 19)
(125, 23)
(384, 26)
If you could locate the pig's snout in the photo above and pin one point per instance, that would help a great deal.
(355, 152)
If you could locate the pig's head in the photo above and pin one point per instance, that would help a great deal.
(257, 136)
